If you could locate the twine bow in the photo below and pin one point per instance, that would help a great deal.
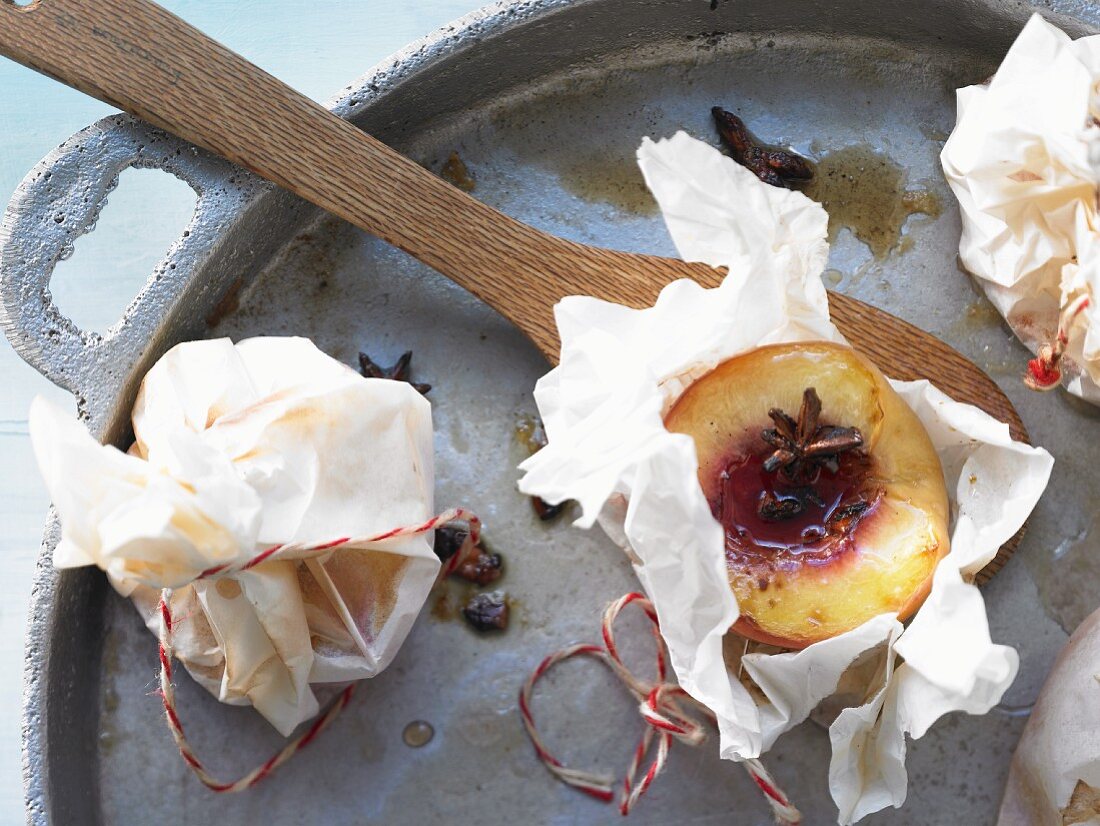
(1044, 372)
(665, 709)
(297, 551)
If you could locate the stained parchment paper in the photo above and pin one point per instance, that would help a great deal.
(1024, 163)
(240, 447)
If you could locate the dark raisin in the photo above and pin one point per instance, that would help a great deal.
(545, 511)
(482, 567)
(487, 612)
(448, 540)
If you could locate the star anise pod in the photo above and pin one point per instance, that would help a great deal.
(802, 446)
(399, 372)
(777, 167)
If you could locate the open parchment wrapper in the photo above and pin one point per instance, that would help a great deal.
(239, 448)
(622, 369)
(1024, 162)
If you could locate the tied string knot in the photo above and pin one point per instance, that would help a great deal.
(302, 551)
(1044, 372)
(668, 711)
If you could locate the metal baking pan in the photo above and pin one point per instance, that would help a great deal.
(545, 102)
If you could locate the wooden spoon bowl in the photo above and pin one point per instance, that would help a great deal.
(139, 57)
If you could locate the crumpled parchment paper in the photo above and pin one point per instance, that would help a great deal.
(621, 369)
(239, 448)
(1055, 774)
(1024, 163)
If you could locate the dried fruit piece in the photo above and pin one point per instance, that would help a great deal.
(449, 540)
(481, 567)
(545, 511)
(476, 563)
(487, 612)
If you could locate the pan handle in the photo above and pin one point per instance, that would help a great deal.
(60, 200)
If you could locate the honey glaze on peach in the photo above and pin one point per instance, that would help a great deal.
(831, 504)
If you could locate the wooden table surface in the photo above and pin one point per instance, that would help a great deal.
(317, 49)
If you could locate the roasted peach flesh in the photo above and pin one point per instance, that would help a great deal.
(815, 546)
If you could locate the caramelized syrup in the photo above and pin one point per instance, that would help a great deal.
(865, 191)
(815, 534)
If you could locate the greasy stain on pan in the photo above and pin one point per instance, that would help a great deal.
(545, 104)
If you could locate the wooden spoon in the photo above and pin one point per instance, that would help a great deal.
(139, 57)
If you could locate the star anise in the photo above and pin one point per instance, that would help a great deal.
(777, 167)
(803, 446)
(399, 372)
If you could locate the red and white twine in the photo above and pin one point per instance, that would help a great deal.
(311, 550)
(1044, 372)
(298, 550)
(661, 704)
(663, 707)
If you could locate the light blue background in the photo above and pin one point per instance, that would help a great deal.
(316, 47)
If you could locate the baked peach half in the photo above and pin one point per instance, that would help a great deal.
(830, 492)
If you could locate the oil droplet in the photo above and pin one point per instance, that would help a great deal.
(980, 315)
(454, 171)
(529, 433)
(110, 700)
(418, 733)
(865, 191)
(442, 607)
(485, 728)
(609, 179)
(228, 588)
(449, 597)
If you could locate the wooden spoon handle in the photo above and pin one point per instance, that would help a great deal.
(141, 58)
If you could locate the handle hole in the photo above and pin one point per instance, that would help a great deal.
(101, 273)
(22, 5)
